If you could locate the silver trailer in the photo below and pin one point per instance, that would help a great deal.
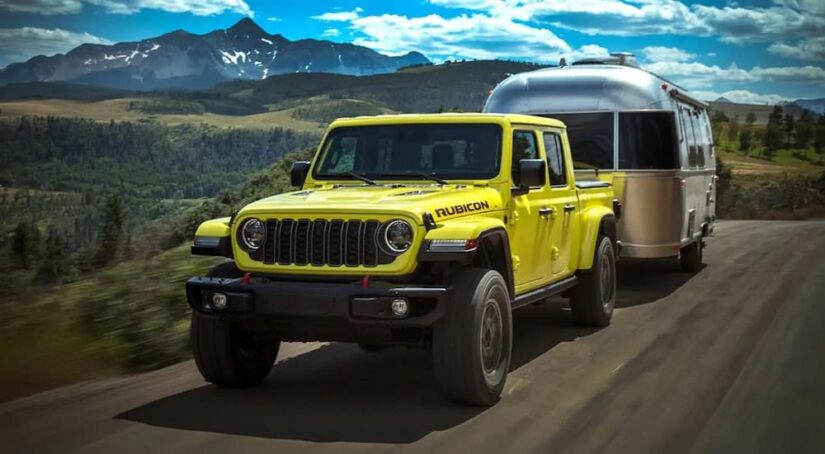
(644, 134)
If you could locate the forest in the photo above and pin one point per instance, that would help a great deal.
(59, 175)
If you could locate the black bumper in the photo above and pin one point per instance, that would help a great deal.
(350, 302)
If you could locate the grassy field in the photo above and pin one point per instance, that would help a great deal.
(118, 110)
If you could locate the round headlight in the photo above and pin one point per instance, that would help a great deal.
(253, 234)
(398, 236)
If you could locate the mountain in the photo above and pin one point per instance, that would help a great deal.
(183, 60)
(723, 99)
(814, 105)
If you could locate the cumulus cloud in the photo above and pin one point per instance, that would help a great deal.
(473, 36)
(662, 53)
(812, 49)
(23, 43)
(339, 16)
(49, 7)
(785, 19)
(694, 74)
(331, 32)
(741, 96)
(196, 7)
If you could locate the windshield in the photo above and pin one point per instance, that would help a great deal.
(445, 151)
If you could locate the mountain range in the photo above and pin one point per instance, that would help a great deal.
(183, 60)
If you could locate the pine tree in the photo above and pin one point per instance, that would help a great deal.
(745, 140)
(26, 245)
(733, 129)
(53, 263)
(772, 139)
(804, 130)
(750, 119)
(111, 231)
(789, 129)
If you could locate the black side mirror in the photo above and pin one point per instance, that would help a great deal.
(298, 173)
(532, 172)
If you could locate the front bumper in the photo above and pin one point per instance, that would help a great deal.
(349, 302)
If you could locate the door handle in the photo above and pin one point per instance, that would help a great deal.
(545, 211)
(568, 208)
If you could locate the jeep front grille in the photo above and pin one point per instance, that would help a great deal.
(322, 242)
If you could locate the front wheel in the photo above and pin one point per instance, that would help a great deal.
(228, 355)
(593, 299)
(691, 257)
(472, 343)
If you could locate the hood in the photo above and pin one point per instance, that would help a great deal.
(442, 202)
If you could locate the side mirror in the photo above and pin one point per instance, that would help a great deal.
(298, 173)
(532, 172)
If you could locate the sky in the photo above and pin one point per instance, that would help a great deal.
(761, 51)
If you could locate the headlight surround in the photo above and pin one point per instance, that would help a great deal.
(398, 236)
(253, 234)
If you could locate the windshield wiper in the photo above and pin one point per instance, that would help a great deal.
(423, 175)
(353, 175)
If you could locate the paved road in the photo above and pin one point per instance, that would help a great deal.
(729, 360)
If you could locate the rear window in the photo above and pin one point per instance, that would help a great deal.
(647, 140)
(591, 138)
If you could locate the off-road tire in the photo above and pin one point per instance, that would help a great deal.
(691, 257)
(592, 301)
(225, 353)
(476, 328)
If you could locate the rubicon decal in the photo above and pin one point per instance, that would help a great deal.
(464, 208)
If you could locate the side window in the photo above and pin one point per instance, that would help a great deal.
(555, 159)
(690, 137)
(524, 147)
(700, 144)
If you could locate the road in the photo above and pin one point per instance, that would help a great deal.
(729, 360)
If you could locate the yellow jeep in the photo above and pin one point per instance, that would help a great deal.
(422, 230)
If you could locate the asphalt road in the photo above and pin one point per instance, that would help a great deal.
(729, 360)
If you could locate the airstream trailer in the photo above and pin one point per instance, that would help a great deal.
(647, 136)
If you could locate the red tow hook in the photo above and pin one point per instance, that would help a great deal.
(365, 282)
(246, 277)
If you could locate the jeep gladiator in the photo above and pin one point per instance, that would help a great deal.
(422, 230)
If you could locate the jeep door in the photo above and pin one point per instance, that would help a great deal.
(529, 231)
(564, 201)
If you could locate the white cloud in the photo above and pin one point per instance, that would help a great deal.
(196, 7)
(741, 96)
(339, 16)
(274, 19)
(331, 32)
(48, 7)
(812, 49)
(473, 36)
(22, 43)
(795, 19)
(662, 53)
(699, 75)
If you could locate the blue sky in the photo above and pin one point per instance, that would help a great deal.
(759, 51)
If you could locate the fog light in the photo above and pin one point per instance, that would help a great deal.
(219, 301)
(400, 307)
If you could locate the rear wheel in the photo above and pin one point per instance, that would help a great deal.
(472, 343)
(227, 354)
(691, 257)
(592, 301)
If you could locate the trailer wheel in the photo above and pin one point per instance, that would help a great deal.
(691, 257)
(226, 354)
(593, 299)
(472, 342)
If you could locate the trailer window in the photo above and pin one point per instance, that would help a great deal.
(591, 138)
(647, 140)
